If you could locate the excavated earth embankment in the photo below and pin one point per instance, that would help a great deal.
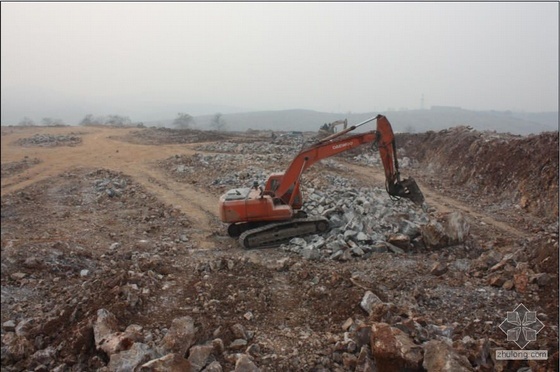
(113, 257)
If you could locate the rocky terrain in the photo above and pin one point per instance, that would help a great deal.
(114, 258)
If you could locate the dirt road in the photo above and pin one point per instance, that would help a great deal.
(158, 252)
(100, 150)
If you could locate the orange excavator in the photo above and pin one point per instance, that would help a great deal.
(271, 215)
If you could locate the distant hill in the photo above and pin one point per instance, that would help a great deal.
(435, 119)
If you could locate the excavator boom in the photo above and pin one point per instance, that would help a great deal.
(250, 212)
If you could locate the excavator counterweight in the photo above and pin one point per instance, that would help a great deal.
(271, 215)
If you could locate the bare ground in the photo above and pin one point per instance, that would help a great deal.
(108, 224)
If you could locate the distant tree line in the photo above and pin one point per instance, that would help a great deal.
(50, 122)
(182, 121)
(186, 121)
(110, 120)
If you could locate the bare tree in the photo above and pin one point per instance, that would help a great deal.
(89, 120)
(118, 120)
(218, 122)
(53, 122)
(58, 123)
(183, 121)
(47, 121)
(26, 122)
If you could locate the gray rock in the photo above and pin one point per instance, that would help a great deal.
(335, 246)
(129, 360)
(180, 337)
(462, 264)
(349, 234)
(394, 248)
(337, 256)
(9, 326)
(213, 367)
(299, 242)
(239, 331)
(441, 357)
(335, 221)
(245, 364)
(409, 228)
(357, 251)
(200, 356)
(453, 230)
(362, 237)
(369, 300)
(380, 248)
(27, 328)
(311, 254)
(238, 344)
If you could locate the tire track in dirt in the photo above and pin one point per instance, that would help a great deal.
(100, 149)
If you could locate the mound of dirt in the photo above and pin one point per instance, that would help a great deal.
(499, 168)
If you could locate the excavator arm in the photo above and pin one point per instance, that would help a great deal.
(336, 144)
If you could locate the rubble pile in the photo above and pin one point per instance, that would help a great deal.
(288, 149)
(13, 168)
(158, 136)
(50, 140)
(363, 221)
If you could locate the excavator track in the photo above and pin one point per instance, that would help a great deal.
(274, 234)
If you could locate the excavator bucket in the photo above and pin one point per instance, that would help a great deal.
(414, 193)
(407, 188)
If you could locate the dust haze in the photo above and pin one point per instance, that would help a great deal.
(149, 61)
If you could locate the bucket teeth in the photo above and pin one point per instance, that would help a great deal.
(407, 188)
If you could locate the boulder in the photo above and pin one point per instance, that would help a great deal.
(441, 357)
(131, 359)
(369, 300)
(453, 230)
(104, 327)
(200, 356)
(245, 364)
(393, 350)
(180, 337)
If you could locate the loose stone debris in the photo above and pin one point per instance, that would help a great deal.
(99, 274)
(49, 140)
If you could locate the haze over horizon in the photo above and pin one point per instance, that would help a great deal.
(148, 60)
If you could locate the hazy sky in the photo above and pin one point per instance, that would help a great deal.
(65, 60)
